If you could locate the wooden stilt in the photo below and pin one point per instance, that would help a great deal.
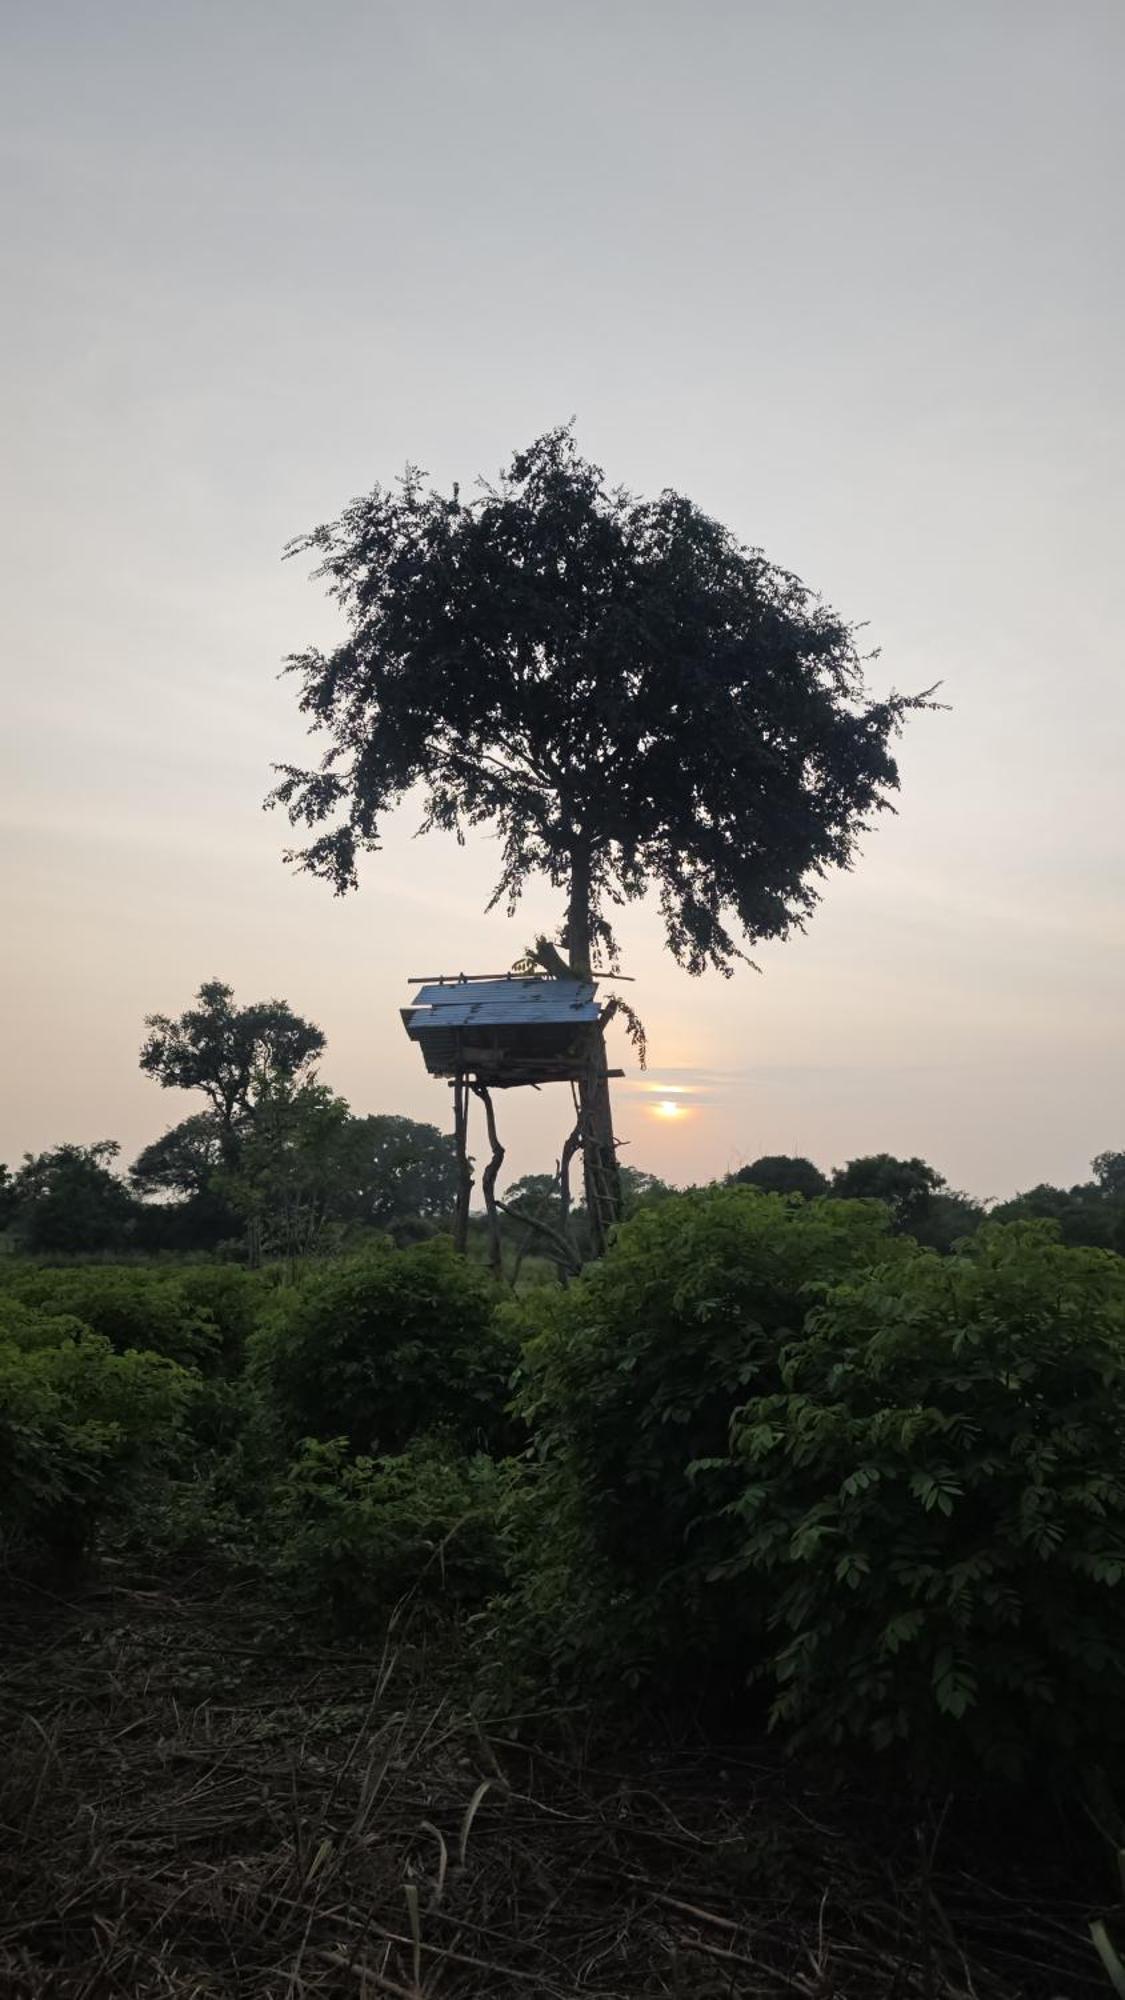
(488, 1182)
(464, 1167)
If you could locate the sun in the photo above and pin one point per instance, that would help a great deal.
(668, 1108)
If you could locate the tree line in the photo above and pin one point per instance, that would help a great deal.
(277, 1164)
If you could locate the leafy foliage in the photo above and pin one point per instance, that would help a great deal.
(403, 1170)
(905, 1185)
(293, 1177)
(499, 653)
(1091, 1214)
(782, 1173)
(384, 1346)
(357, 1535)
(934, 1506)
(628, 1384)
(131, 1308)
(69, 1200)
(183, 1161)
(81, 1429)
(919, 1198)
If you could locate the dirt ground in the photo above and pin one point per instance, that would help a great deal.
(196, 1801)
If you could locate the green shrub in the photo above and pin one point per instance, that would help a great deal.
(935, 1505)
(629, 1381)
(133, 1308)
(82, 1430)
(382, 1347)
(232, 1298)
(355, 1536)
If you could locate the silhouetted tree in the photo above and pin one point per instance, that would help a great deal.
(294, 1178)
(182, 1166)
(1108, 1170)
(221, 1049)
(1089, 1215)
(183, 1161)
(68, 1199)
(947, 1219)
(637, 1186)
(784, 1173)
(401, 1168)
(905, 1185)
(923, 1204)
(629, 696)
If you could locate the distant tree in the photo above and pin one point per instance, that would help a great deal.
(401, 1169)
(905, 1185)
(183, 1161)
(295, 1173)
(309, 1171)
(1108, 1170)
(68, 1199)
(534, 1220)
(618, 686)
(1090, 1215)
(181, 1170)
(947, 1219)
(921, 1201)
(535, 1194)
(637, 1186)
(221, 1049)
(784, 1173)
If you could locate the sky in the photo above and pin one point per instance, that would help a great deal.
(846, 272)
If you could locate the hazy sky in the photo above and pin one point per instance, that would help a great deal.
(848, 272)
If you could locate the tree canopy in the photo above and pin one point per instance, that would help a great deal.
(784, 1173)
(905, 1185)
(401, 1168)
(618, 686)
(225, 1050)
(69, 1199)
(183, 1161)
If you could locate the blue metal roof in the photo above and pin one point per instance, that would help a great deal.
(517, 1030)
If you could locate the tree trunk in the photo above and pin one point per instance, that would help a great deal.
(595, 1114)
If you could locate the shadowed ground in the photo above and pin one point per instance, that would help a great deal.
(197, 1803)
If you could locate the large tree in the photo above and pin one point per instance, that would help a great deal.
(225, 1051)
(629, 696)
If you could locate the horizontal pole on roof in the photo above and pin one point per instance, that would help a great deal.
(466, 978)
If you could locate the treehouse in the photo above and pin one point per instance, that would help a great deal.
(504, 1032)
(485, 1034)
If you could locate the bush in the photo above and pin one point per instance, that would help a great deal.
(935, 1506)
(629, 1382)
(82, 1430)
(232, 1299)
(355, 1536)
(382, 1347)
(133, 1309)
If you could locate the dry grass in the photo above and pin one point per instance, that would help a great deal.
(194, 1805)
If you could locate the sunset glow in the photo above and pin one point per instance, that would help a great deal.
(668, 1108)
